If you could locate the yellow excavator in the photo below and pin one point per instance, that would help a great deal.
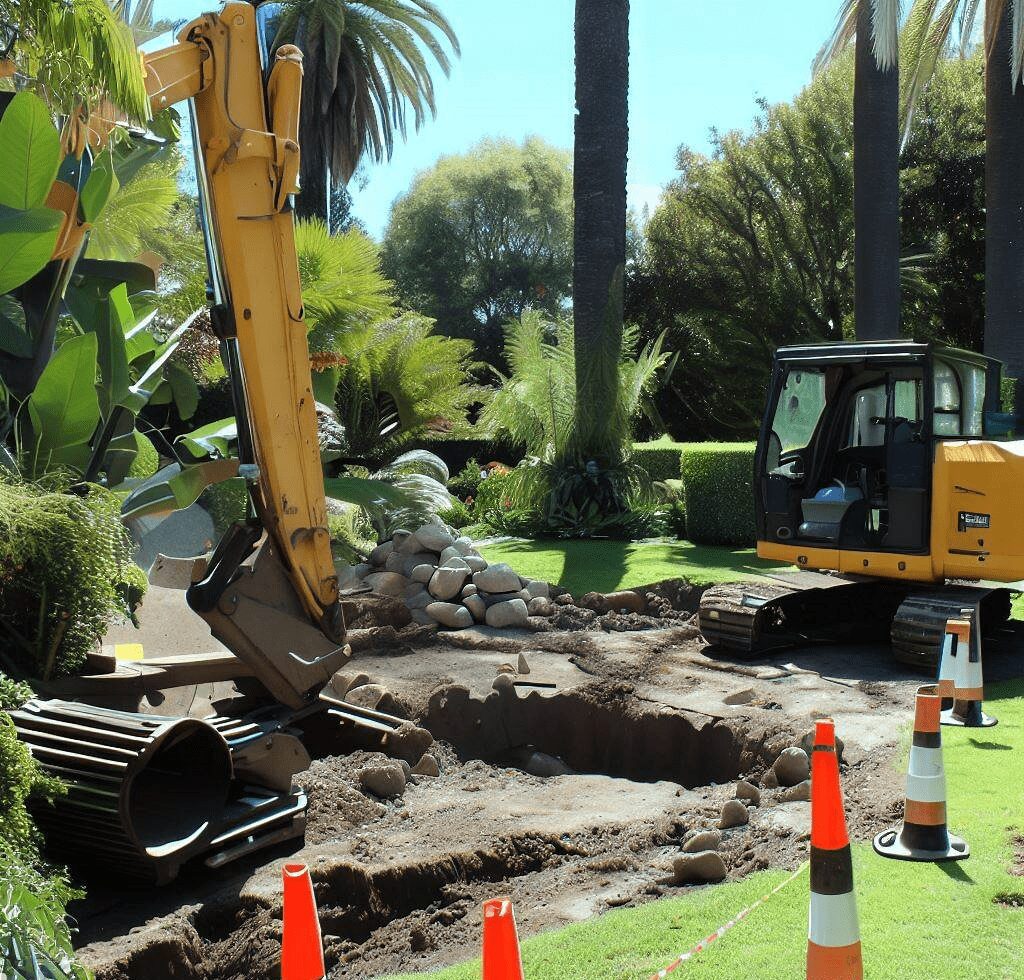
(148, 792)
(883, 472)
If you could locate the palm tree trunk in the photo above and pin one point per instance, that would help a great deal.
(876, 189)
(314, 201)
(599, 204)
(1004, 207)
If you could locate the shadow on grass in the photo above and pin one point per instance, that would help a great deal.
(991, 745)
(954, 869)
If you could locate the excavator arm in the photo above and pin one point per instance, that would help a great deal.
(270, 591)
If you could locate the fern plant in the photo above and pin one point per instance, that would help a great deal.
(556, 489)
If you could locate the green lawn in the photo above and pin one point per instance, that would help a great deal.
(918, 921)
(604, 566)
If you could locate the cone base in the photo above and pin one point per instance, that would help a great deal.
(888, 844)
(948, 718)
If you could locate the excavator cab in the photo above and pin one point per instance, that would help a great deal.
(845, 458)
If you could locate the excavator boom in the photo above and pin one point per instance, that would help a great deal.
(270, 593)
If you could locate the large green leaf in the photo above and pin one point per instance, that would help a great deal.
(14, 337)
(101, 186)
(108, 315)
(27, 239)
(63, 407)
(174, 488)
(140, 393)
(325, 384)
(29, 152)
(184, 389)
(211, 440)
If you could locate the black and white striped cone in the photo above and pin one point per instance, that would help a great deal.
(954, 645)
(923, 835)
(968, 684)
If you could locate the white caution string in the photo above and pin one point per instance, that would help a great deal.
(722, 930)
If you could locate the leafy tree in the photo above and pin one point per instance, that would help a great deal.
(751, 247)
(366, 70)
(483, 235)
(876, 140)
(76, 54)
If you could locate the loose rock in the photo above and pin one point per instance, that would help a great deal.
(769, 780)
(475, 562)
(626, 602)
(380, 554)
(704, 840)
(540, 606)
(423, 573)
(734, 814)
(427, 766)
(366, 695)
(701, 868)
(740, 697)
(522, 665)
(386, 780)
(408, 741)
(450, 552)
(791, 767)
(747, 791)
(801, 792)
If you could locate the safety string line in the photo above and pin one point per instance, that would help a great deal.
(722, 930)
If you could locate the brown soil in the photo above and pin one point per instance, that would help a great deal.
(650, 733)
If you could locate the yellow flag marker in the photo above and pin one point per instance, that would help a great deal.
(128, 651)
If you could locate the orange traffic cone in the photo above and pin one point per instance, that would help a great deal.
(923, 836)
(968, 686)
(954, 645)
(501, 941)
(833, 933)
(302, 951)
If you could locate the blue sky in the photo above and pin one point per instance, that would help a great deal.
(693, 65)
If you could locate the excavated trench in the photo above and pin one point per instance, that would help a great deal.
(599, 729)
(381, 901)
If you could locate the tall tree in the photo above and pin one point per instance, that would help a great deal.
(599, 206)
(933, 29)
(876, 142)
(1004, 192)
(366, 72)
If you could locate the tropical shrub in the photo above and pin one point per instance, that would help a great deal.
(457, 516)
(466, 482)
(535, 408)
(718, 493)
(66, 573)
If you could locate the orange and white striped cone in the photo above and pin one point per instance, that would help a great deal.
(501, 959)
(833, 932)
(968, 684)
(954, 645)
(923, 835)
(302, 953)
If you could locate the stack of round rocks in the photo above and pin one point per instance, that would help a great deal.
(443, 579)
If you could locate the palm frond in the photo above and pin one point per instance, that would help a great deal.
(367, 73)
(139, 206)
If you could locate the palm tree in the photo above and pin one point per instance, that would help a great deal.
(876, 140)
(599, 206)
(366, 71)
(934, 28)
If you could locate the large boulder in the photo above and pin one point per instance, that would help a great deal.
(497, 578)
(507, 614)
(435, 537)
(734, 814)
(387, 583)
(450, 614)
(447, 583)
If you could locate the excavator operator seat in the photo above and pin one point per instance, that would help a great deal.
(824, 512)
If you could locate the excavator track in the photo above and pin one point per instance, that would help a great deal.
(798, 608)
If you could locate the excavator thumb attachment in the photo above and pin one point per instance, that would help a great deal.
(253, 610)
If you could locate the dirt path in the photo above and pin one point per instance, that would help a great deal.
(653, 733)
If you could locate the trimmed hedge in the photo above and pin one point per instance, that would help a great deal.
(1008, 395)
(718, 492)
(661, 460)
